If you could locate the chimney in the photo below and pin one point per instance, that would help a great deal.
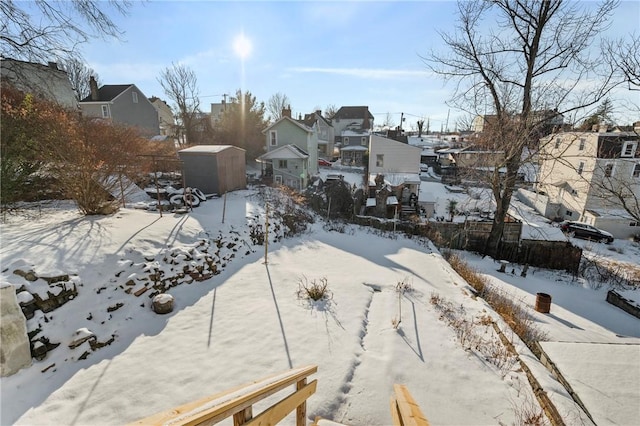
(93, 85)
(286, 112)
(319, 113)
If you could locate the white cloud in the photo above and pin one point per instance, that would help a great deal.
(368, 73)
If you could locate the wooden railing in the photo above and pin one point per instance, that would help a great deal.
(238, 402)
(404, 409)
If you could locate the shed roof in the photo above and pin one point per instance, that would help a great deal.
(207, 149)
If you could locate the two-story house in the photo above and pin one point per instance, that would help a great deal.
(583, 174)
(43, 81)
(121, 104)
(292, 151)
(165, 116)
(399, 164)
(326, 133)
(352, 126)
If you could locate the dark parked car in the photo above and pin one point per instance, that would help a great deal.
(586, 231)
(325, 163)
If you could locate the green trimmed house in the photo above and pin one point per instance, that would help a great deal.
(292, 152)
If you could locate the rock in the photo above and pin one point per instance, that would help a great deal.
(162, 303)
(39, 350)
(80, 336)
(29, 275)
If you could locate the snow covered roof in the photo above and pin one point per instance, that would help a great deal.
(207, 149)
(354, 148)
(349, 132)
(287, 152)
(395, 179)
(611, 213)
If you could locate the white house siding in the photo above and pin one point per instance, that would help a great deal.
(559, 177)
(579, 193)
(397, 157)
(165, 116)
(619, 224)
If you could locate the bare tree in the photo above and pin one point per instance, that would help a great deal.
(41, 31)
(464, 123)
(276, 104)
(624, 54)
(181, 87)
(536, 60)
(330, 112)
(388, 121)
(420, 124)
(79, 74)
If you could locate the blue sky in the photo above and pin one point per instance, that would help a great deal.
(317, 53)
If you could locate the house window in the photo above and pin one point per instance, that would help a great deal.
(569, 213)
(135, 97)
(634, 223)
(581, 146)
(557, 143)
(105, 111)
(629, 149)
(273, 138)
(608, 170)
(580, 167)
(363, 141)
(636, 171)
(278, 179)
(282, 164)
(380, 160)
(346, 140)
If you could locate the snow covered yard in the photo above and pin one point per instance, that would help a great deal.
(248, 321)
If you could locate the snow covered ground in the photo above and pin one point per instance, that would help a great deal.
(249, 322)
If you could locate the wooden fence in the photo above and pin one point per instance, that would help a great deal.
(472, 236)
(404, 409)
(238, 402)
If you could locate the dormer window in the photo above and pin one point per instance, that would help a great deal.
(135, 97)
(629, 149)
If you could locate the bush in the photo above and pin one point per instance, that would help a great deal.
(512, 311)
(316, 290)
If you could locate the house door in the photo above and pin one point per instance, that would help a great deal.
(278, 179)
